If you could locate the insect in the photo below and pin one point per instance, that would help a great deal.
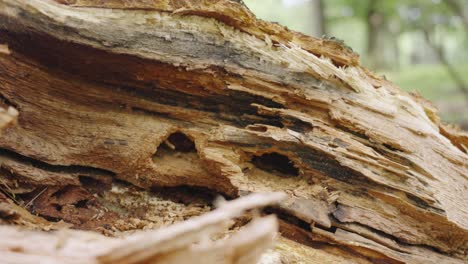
(338, 41)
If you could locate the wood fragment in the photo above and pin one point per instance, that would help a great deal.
(174, 244)
(4, 49)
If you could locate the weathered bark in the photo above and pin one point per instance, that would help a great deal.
(132, 114)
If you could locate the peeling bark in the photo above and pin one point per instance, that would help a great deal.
(126, 105)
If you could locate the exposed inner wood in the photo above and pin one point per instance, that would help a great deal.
(125, 108)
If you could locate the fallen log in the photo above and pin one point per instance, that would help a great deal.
(135, 114)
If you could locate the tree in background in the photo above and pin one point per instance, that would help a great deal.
(317, 19)
(460, 10)
(433, 20)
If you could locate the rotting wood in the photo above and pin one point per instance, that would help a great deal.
(174, 244)
(164, 95)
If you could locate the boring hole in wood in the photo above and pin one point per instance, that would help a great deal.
(179, 142)
(274, 163)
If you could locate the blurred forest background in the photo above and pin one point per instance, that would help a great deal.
(422, 45)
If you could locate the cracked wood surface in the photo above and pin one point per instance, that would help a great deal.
(163, 94)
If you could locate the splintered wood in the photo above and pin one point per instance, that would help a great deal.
(125, 116)
(185, 242)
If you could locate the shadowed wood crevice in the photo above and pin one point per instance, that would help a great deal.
(275, 163)
(66, 169)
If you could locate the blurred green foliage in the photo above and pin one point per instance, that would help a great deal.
(433, 83)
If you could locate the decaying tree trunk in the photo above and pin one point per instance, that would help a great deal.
(134, 114)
